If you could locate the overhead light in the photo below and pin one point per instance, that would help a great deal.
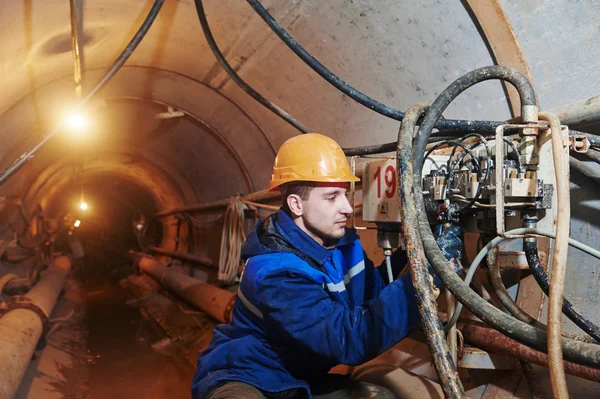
(83, 206)
(77, 121)
(77, 223)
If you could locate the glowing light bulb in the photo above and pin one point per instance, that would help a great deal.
(77, 223)
(76, 122)
(83, 206)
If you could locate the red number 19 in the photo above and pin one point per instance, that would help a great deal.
(389, 179)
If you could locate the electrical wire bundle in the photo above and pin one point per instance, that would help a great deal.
(232, 238)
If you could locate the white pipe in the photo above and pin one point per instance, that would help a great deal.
(559, 262)
(21, 329)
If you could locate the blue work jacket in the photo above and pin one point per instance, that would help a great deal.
(302, 309)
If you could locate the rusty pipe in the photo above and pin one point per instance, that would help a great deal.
(212, 300)
(21, 329)
(491, 340)
(202, 260)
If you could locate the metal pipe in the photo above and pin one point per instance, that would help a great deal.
(20, 329)
(579, 112)
(584, 169)
(212, 300)
(76, 48)
(492, 340)
(258, 196)
(203, 260)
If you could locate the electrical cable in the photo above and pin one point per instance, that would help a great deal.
(356, 95)
(579, 352)
(237, 79)
(112, 70)
(481, 185)
(427, 306)
(515, 151)
(455, 144)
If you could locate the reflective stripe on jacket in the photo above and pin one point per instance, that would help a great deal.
(302, 309)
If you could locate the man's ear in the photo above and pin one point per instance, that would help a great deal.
(295, 205)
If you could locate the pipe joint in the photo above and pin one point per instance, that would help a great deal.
(23, 302)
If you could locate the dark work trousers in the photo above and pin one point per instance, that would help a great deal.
(333, 387)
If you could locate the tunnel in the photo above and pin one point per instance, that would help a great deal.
(127, 195)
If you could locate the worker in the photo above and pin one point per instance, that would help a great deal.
(309, 298)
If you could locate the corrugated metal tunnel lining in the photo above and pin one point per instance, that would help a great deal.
(132, 163)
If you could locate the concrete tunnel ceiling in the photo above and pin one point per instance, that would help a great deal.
(225, 144)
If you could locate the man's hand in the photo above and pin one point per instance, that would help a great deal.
(449, 239)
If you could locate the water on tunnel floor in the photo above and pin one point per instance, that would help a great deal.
(124, 365)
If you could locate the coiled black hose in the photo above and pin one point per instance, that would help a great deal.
(579, 352)
(108, 75)
(432, 326)
(238, 80)
(538, 272)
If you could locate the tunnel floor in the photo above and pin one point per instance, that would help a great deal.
(123, 363)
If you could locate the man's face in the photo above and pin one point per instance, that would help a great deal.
(325, 212)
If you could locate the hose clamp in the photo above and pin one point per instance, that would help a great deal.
(23, 302)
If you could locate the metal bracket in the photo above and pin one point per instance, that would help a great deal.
(579, 143)
(23, 302)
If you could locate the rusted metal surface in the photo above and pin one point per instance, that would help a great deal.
(530, 296)
(493, 341)
(212, 300)
(502, 41)
(202, 260)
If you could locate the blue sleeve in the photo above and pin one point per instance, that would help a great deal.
(377, 278)
(298, 311)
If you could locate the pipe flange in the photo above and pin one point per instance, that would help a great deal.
(23, 302)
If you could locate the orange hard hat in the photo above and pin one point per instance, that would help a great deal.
(310, 157)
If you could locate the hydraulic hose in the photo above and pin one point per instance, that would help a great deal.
(559, 262)
(438, 347)
(238, 80)
(506, 299)
(538, 272)
(108, 75)
(497, 240)
(579, 352)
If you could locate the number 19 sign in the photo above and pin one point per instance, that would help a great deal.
(380, 192)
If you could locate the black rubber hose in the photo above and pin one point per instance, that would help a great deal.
(578, 352)
(538, 272)
(108, 75)
(432, 326)
(238, 80)
(361, 98)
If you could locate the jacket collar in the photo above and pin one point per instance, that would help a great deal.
(296, 237)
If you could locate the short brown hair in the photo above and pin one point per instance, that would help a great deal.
(301, 188)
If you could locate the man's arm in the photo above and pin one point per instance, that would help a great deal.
(377, 277)
(298, 311)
